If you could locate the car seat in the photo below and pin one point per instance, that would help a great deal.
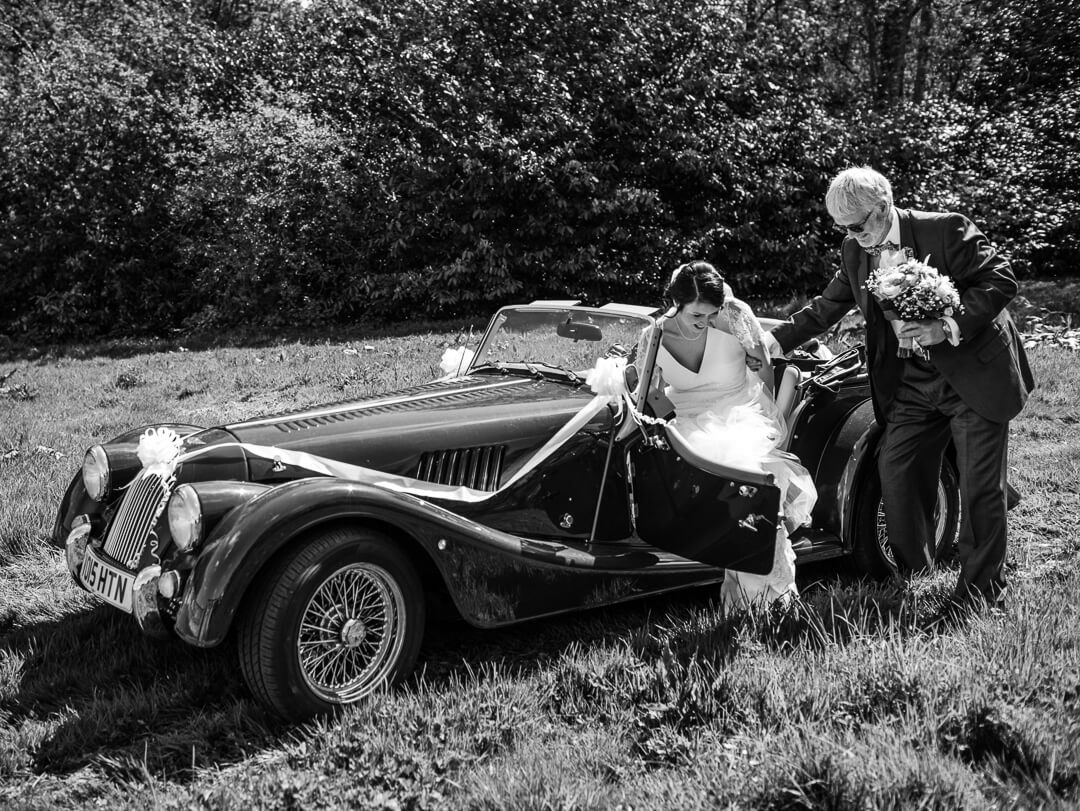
(788, 378)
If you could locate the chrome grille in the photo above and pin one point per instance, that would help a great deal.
(143, 503)
(478, 468)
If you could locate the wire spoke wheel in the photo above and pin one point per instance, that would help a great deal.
(351, 632)
(940, 519)
(873, 554)
(338, 616)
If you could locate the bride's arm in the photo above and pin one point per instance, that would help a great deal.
(765, 370)
(744, 326)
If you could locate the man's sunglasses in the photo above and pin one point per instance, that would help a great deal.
(857, 228)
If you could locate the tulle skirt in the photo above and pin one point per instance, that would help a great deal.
(743, 430)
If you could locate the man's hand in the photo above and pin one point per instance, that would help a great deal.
(754, 363)
(926, 332)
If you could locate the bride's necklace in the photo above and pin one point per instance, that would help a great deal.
(678, 326)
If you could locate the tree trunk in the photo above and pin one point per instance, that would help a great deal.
(871, 27)
(895, 36)
(923, 47)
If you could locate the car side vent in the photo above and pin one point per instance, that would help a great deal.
(478, 468)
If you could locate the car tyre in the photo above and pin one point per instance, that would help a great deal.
(871, 552)
(335, 619)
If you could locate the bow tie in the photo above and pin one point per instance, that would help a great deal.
(884, 246)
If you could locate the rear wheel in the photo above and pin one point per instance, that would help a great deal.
(872, 553)
(336, 618)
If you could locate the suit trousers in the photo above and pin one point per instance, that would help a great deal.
(924, 415)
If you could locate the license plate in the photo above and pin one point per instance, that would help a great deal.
(107, 581)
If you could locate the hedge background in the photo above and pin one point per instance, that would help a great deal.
(196, 164)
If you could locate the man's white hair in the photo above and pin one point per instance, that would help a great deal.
(855, 191)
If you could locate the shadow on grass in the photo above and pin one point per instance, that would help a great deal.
(106, 696)
(835, 609)
(92, 691)
(454, 650)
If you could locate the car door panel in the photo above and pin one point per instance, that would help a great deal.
(724, 519)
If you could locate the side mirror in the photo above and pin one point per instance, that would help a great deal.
(579, 331)
(631, 378)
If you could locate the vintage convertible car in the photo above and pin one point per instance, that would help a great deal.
(505, 491)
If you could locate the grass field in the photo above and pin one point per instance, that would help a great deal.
(848, 701)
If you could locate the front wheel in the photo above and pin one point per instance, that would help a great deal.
(872, 553)
(335, 619)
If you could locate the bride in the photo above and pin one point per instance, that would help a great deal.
(726, 412)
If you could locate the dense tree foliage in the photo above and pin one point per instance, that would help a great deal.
(195, 163)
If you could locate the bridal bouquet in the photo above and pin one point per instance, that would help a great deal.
(910, 290)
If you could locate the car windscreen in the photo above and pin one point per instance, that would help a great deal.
(568, 338)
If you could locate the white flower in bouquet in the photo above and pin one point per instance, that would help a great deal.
(891, 257)
(946, 292)
(891, 284)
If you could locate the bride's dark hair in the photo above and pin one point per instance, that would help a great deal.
(695, 281)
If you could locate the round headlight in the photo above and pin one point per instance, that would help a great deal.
(95, 473)
(185, 518)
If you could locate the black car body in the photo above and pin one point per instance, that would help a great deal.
(508, 491)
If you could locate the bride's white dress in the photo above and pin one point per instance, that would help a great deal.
(724, 413)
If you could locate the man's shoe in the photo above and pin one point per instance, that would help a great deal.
(948, 617)
(980, 602)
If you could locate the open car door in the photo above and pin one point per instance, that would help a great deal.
(688, 505)
(699, 510)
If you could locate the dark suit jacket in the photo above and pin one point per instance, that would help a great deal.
(989, 369)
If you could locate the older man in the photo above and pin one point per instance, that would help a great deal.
(967, 381)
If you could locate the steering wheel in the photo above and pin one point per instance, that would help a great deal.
(616, 351)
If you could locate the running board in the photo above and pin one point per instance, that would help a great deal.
(813, 545)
